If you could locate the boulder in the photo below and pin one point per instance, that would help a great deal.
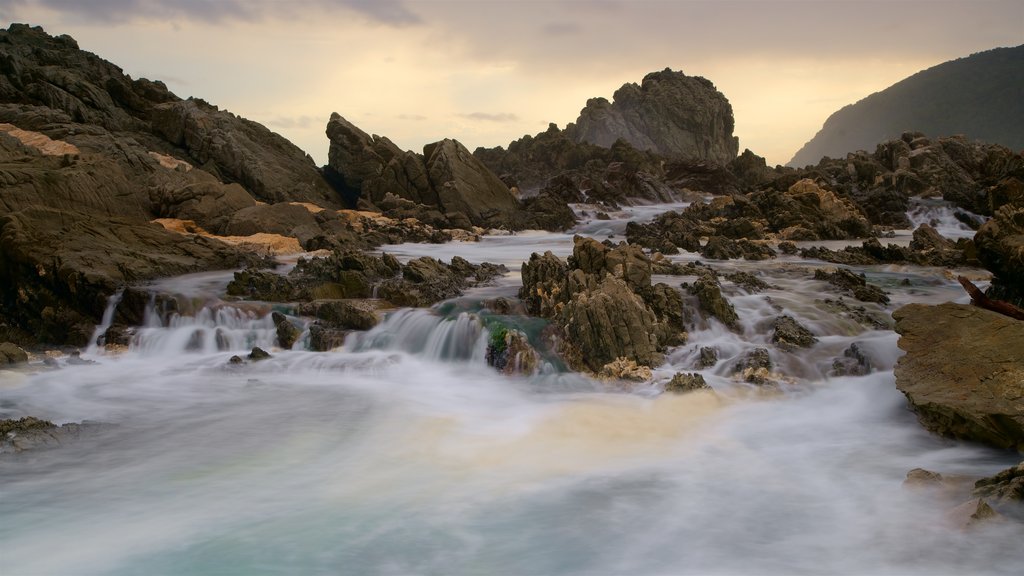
(853, 362)
(963, 372)
(609, 322)
(287, 333)
(343, 314)
(683, 382)
(11, 353)
(464, 185)
(668, 113)
(509, 351)
(709, 293)
(789, 335)
(755, 367)
(1000, 245)
(1005, 487)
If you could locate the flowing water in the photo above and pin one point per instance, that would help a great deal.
(403, 453)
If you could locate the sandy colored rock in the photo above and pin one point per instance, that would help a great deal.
(963, 372)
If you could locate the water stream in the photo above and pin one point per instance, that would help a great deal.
(403, 453)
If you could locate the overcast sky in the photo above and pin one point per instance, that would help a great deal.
(486, 72)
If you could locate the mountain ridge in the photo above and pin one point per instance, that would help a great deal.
(980, 96)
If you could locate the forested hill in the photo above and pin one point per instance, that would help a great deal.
(980, 96)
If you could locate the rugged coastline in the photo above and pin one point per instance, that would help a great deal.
(763, 281)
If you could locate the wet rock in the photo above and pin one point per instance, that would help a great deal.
(920, 477)
(853, 362)
(667, 304)
(747, 281)
(708, 357)
(722, 248)
(755, 367)
(787, 248)
(686, 382)
(858, 314)
(544, 289)
(11, 353)
(971, 513)
(854, 283)
(963, 372)
(510, 352)
(712, 302)
(789, 335)
(323, 338)
(667, 233)
(29, 433)
(235, 360)
(608, 322)
(625, 369)
(1005, 487)
(344, 314)
(287, 333)
(258, 354)
(264, 285)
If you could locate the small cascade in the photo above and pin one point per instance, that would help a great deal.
(108, 318)
(942, 216)
(212, 329)
(423, 332)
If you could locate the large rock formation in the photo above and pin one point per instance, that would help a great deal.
(603, 305)
(90, 158)
(446, 177)
(979, 96)
(668, 113)
(963, 372)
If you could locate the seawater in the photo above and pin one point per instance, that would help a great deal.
(403, 453)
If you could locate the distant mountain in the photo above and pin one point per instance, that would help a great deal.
(980, 96)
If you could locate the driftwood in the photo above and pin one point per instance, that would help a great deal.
(979, 299)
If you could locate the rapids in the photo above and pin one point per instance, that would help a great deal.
(403, 453)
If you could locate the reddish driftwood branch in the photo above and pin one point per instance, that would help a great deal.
(979, 299)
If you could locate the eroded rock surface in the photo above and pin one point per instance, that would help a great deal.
(963, 372)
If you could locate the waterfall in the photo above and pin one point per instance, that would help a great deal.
(108, 318)
(942, 216)
(212, 329)
(423, 332)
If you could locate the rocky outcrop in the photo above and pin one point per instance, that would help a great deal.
(446, 177)
(1003, 488)
(788, 334)
(669, 113)
(350, 274)
(709, 293)
(1000, 245)
(603, 305)
(52, 74)
(11, 353)
(805, 210)
(974, 176)
(683, 382)
(90, 157)
(963, 372)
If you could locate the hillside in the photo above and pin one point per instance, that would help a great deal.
(980, 96)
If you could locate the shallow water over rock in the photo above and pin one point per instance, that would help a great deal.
(404, 453)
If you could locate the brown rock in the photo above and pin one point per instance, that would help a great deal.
(963, 372)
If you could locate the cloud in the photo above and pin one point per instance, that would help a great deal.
(412, 117)
(486, 117)
(389, 12)
(296, 122)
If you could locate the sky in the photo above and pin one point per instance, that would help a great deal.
(486, 72)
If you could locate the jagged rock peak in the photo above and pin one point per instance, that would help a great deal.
(669, 113)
